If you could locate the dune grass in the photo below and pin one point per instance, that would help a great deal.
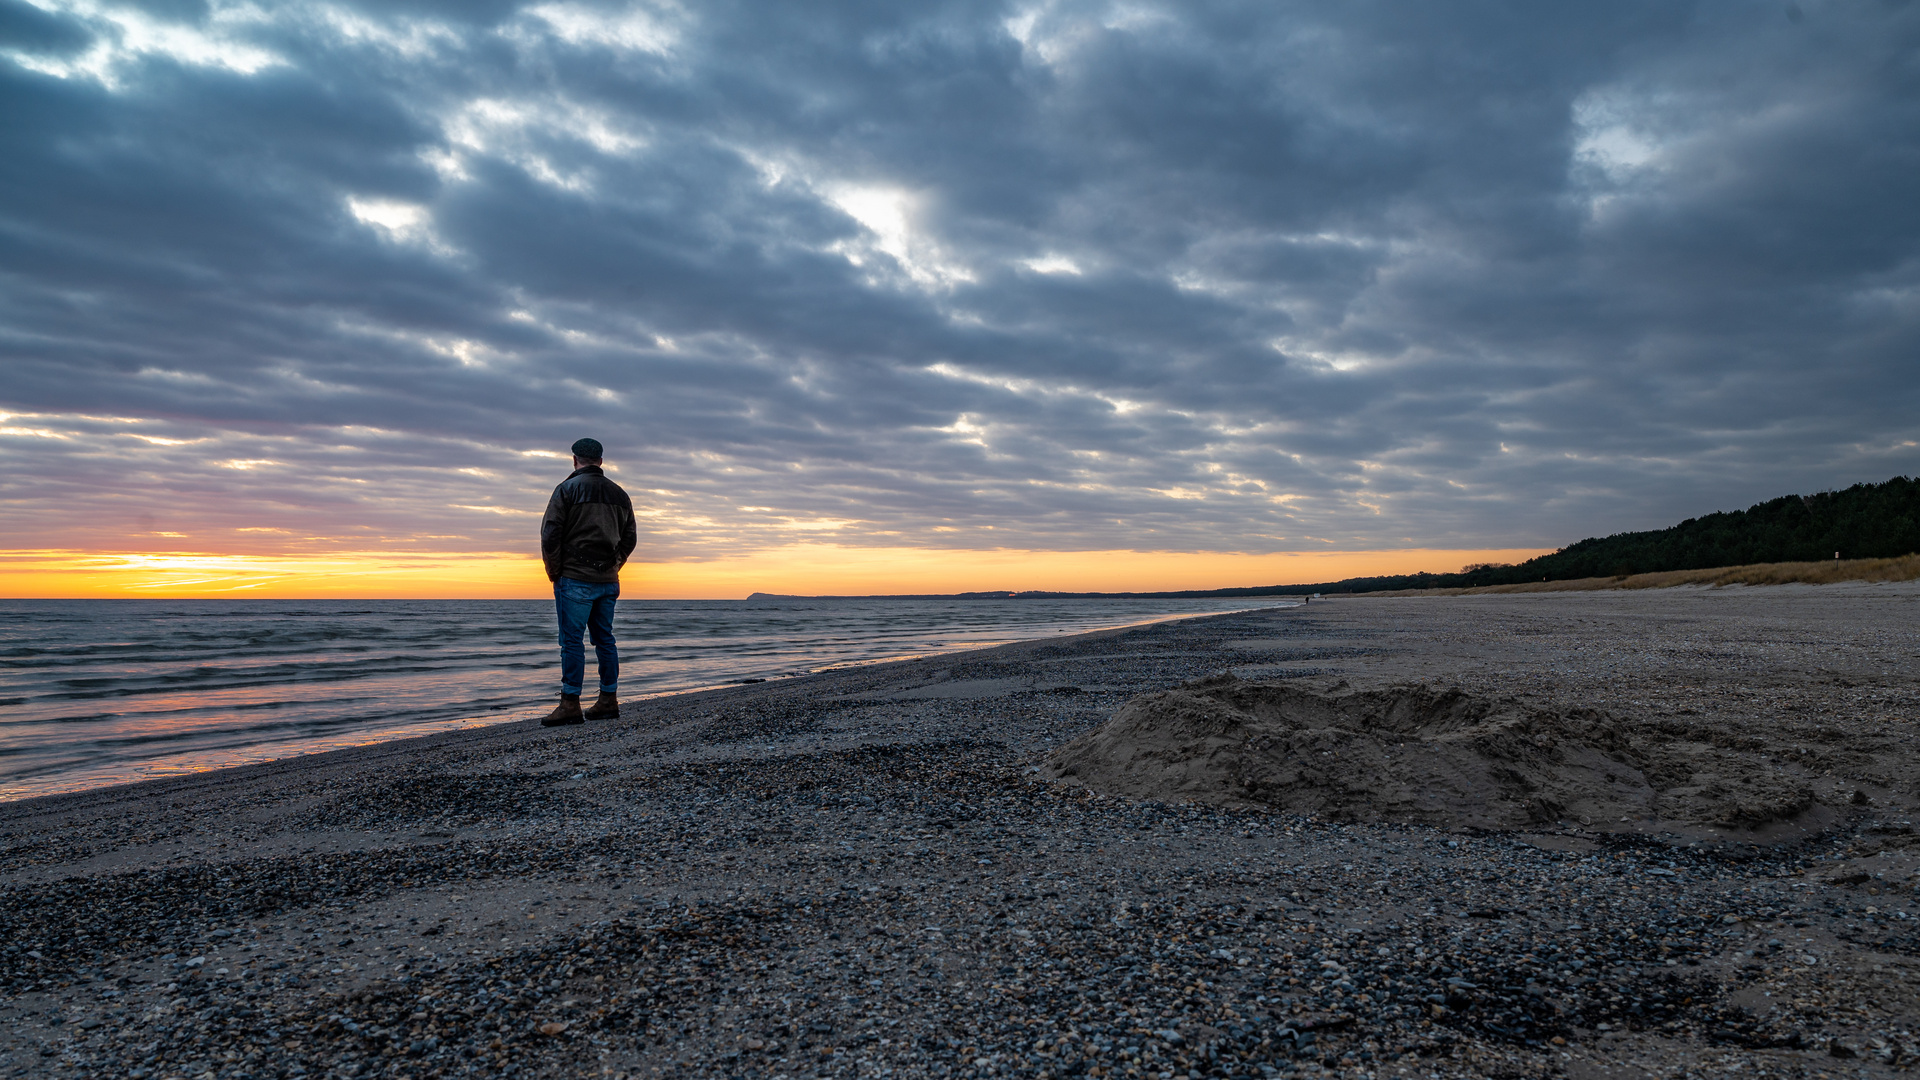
(1903, 568)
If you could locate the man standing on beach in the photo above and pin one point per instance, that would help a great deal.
(585, 539)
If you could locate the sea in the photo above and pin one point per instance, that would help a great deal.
(99, 692)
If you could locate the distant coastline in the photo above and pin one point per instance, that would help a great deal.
(1876, 526)
(1904, 568)
(1040, 594)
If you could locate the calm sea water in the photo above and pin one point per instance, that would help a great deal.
(96, 692)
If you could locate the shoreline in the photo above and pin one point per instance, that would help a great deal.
(490, 711)
(863, 865)
(382, 748)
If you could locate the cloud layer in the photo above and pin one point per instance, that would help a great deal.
(1251, 277)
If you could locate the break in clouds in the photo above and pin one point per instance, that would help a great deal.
(1255, 277)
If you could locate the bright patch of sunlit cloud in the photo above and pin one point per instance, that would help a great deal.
(1024, 387)
(400, 222)
(67, 426)
(1020, 25)
(395, 217)
(597, 393)
(888, 216)
(125, 35)
(1010, 383)
(175, 375)
(636, 28)
(1053, 264)
(497, 125)
(470, 353)
(521, 132)
(1322, 359)
(412, 38)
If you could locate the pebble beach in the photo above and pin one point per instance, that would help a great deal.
(873, 872)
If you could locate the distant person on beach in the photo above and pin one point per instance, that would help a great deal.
(585, 539)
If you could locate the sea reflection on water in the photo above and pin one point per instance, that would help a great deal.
(96, 692)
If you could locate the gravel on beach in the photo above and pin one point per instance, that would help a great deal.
(872, 872)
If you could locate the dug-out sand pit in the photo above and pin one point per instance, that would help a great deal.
(1425, 754)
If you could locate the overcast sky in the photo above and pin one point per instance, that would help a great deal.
(1254, 277)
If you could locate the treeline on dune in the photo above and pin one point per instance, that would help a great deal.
(1866, 521)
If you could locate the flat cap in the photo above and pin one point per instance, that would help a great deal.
(588, 448)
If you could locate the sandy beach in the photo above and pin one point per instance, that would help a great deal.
(883, 871)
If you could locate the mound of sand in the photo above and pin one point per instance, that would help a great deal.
(1423, 754)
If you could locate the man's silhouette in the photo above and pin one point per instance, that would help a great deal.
(585, 539)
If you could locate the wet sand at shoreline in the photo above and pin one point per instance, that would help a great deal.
(867, 870)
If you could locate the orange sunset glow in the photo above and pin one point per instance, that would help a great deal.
(798, 569)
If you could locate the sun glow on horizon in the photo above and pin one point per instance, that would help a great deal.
(805, 569)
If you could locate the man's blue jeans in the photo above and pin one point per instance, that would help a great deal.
(586, 606)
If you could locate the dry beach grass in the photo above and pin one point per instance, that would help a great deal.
(868, 873)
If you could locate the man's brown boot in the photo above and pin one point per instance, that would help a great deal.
(605, 707)
(567, 712)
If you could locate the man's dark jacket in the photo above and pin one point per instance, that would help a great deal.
(588, 531)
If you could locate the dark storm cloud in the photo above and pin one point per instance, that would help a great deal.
(1249, 277)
